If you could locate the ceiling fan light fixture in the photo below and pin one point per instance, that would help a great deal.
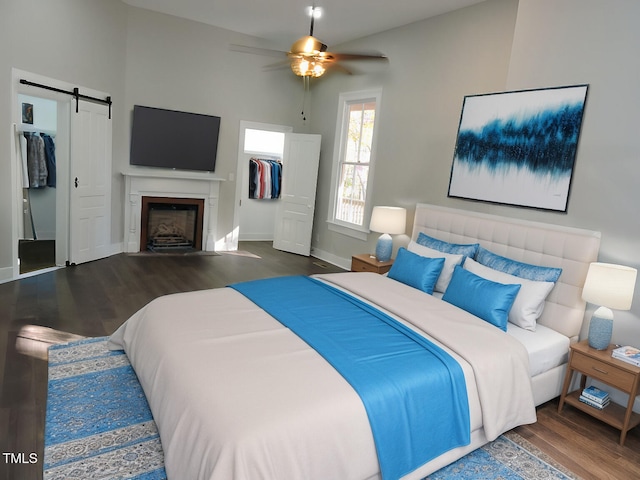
(318, 70)
(308, 44)
(308, 56)
(307, 68)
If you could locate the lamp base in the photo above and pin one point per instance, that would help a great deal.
(600, 332)
(384, 246)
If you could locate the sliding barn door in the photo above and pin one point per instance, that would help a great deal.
(294, 216)
(90, 212)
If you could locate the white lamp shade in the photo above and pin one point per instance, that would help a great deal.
(610, 285)
(392, 220)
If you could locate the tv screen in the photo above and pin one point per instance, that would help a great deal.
(171, 139)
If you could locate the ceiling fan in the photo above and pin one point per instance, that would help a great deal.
(308, 56)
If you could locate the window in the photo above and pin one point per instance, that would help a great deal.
(354, 156)
(263, 141)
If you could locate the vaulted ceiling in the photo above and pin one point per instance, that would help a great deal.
(283, 21)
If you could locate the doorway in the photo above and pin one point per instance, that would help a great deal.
(255, 217)
(287, 219)
(41, 133)
(73, 218)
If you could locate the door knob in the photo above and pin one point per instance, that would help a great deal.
(76, 182)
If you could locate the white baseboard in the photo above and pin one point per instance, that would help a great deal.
(116, 248)
(256, 237)
(331, 258)
(6, 274)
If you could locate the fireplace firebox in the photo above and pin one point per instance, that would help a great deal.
(171, 224)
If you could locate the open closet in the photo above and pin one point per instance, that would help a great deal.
(36, 155)
(276, 188)
(61, 173)
(260, 160)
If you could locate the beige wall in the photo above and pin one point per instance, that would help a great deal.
(184, 65)
(432, 65)
(72, 40)
(594, 42)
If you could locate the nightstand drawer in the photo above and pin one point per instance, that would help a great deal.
(610, 374)
(360, 266)
(368, 263)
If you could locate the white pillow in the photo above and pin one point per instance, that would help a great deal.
(529, 303)
(450, 262)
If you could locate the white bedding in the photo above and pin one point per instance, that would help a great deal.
(546, 347)
(236, 395)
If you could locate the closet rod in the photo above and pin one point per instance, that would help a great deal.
(74, 93)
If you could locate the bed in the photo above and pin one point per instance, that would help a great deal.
(237, 394)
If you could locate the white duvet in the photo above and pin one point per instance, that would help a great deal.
(236, 395)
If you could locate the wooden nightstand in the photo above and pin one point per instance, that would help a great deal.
(600, 365)
(366, 262)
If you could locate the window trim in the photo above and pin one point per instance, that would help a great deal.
(344, 100)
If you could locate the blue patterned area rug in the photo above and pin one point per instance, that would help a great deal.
(99, 426)
(98, 423)
(509, 457)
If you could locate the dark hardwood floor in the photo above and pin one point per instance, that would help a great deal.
(93, 299)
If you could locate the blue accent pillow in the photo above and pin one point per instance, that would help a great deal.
(519, 269)
(468, 250)
(417, 271)
(491, 301)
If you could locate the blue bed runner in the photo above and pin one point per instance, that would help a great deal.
(413, 391)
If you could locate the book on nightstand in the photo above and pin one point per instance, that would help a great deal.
(627, 354)
(595, 397)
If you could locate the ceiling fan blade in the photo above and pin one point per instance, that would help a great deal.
(257, 51)
(337, 66)
(358, 56)
(277, 66)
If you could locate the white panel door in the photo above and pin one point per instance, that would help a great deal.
(294, 216)
(90, 209)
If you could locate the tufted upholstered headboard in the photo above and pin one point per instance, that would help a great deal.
(571, 249)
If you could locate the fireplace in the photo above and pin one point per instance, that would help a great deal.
(171, 224)
(176, 185)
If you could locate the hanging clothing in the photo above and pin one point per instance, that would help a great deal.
(253, 172)
(265, 178)
(276, 179)
(50, 157)
(23, 161)
(36, 160)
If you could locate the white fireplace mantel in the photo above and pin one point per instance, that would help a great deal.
(169, 183)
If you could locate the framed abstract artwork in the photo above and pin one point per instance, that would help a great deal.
(518, 148)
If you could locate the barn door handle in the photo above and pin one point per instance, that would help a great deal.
(76, 182)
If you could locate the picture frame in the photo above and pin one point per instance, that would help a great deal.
(518, 148)
(27, 113)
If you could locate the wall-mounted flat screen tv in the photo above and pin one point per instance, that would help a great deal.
(172, 139)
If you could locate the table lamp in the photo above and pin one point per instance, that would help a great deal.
(387, 221)
(611, 287)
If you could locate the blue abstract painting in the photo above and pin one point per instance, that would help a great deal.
(519, 148)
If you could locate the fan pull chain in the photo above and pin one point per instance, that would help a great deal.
(305, 88)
